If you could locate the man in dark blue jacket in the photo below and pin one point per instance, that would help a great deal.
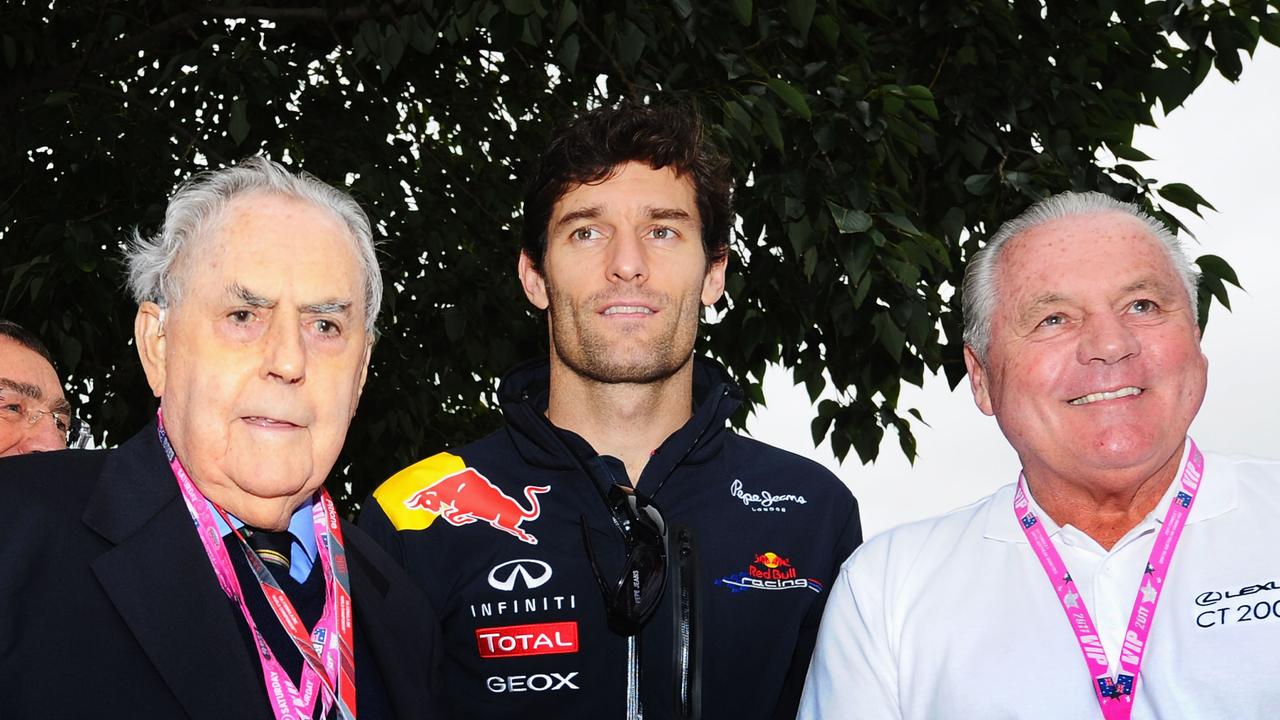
(614, 549)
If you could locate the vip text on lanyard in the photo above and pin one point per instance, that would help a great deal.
(1115, 694)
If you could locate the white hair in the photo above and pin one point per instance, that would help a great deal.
(979, 294)
(153, 262)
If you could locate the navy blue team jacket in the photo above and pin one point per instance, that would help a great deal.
(494, 533)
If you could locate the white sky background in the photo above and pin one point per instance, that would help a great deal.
(1224, 142)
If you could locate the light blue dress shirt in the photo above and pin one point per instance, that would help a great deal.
(302, 555)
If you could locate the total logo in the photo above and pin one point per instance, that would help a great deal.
(523, 640)
(541, 682)
(467, 496)
(769, 571)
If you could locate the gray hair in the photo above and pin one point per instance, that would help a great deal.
(979, 292)
(153, 263)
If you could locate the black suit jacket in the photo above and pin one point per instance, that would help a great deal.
(109, 607)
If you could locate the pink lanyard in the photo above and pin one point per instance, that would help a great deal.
(1115, 695)
(332, 666)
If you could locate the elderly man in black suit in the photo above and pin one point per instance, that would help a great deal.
(200, 569)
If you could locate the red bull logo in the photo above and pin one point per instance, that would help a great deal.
(769, 571)
(467, 496)
(772, 560)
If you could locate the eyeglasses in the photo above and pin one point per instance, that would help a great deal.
(14, 409)
(631, 601)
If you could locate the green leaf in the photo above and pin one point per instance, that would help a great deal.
(682, 8)
(1217, 267)
(769, 121)
(630, 45)
(849, 221)
(1125, 151)
(239, 124)
(826, 412)
(921, 98)
(60, 97)
(567, 57)
(738, 115)
(1182, 195)
(1269, 26)
(568, 16)
(855, 255)
(392, 51)
(977, 184)
(742, 9)
(901, 222)
(891, 337)
(792, 97)
(518, 7)
(801, 14)
(829, 29)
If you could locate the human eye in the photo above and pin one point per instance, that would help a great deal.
(1143, 306)
(327, 327)
(240, 316)
(62, 421)
(1053, 320)
(663, 232)
(585, 234)
(11, 408)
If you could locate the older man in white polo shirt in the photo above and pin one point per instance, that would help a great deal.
(1126, 573)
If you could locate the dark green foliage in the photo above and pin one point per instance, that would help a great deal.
(877, 142)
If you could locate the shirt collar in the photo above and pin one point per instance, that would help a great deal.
(301, 526)
(1217, 495)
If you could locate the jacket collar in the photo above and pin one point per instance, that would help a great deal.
(523, 394)
(159, 580)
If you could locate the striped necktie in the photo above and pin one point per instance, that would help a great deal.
(273, 547)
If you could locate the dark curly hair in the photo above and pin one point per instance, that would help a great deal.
(591, 147)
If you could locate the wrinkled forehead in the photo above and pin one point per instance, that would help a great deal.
(24, 372)
(1097, 253)
(238, 226)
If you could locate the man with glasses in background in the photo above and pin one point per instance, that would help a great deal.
(34, 414)
(615, 550)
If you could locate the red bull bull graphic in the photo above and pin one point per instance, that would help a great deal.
(466, 496)
(769, 571)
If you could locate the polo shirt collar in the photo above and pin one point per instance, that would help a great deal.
(1218, 494)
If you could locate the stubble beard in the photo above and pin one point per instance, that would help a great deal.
(592, 355)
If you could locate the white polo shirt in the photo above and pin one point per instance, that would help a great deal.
(953, 617)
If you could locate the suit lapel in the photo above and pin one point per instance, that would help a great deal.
(160, 581)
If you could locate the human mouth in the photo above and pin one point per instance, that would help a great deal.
(627, 310)
(1108, 395)
(269, 423)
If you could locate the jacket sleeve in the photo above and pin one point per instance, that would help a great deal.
(376, 524)
(849, 539)
(854, 673)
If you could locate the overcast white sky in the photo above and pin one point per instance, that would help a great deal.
(1224, 142)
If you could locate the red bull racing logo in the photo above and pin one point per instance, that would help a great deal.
(466, 496)
(769, 571)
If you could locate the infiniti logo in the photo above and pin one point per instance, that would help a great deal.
(534, 574)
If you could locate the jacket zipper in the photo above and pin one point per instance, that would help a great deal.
(688, 651)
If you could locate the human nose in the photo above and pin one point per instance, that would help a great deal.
(1107, 339)
(286, 353)
(627, 260)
